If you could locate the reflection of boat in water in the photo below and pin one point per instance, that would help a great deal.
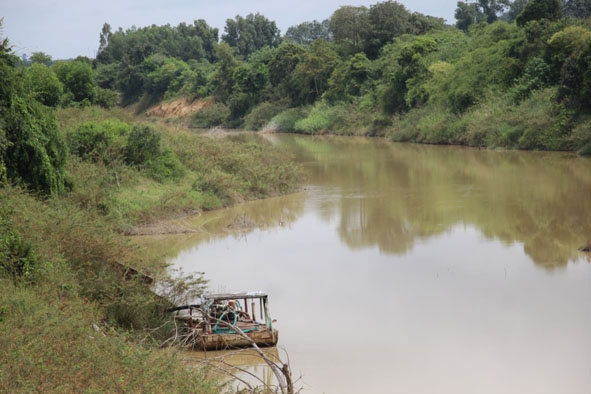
(226, 321)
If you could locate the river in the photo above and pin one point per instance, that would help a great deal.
(406, 268)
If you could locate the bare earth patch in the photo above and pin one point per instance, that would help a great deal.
(179, 108)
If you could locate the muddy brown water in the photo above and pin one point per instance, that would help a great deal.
(414, 269)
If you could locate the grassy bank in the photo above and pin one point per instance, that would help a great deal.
(184, 173)
(535, 123)
(69, 319)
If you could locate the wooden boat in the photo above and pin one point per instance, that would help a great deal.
(227, 321)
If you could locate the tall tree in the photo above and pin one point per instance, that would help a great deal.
(186, 42)
(350, 27)
(248, 35)
(468, 13)
(281, 69)
(347, 80)
(32, 151)
(307, 32)
(222, 79)
(492, 8)
(422, 24)
(251, 82)
(515, 8)
(313, 72)
(40, 58)
(104, 37)
(78, 80)
(577, 8)
(540, 9)
(388, 20)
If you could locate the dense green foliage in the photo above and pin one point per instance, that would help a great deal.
(33, 153)
(487, 11)
(251, 34)
(307, 32)
(377, 70)
(540, 9)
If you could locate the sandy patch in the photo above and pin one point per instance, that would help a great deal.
(179, 108)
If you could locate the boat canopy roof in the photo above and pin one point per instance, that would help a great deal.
(233, 296)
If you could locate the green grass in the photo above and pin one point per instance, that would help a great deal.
(68, 288)
(209, 174)
(69, 321)
(62, 345)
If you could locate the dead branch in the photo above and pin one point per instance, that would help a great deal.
(243, 370)
(235, 376)
(282, 373)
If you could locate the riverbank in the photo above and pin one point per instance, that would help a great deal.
(535, 123)
(70, 320)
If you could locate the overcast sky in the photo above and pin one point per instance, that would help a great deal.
(69, 28)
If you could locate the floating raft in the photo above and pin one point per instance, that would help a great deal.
(230, 320)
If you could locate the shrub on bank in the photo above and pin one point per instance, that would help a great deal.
(537, 122)
(211, 116)
(260, 116)
(320, 118)
(581, 136)
(429, 124)
(238, 168)
(285, 121)
(99, 141)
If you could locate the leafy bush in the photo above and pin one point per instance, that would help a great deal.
(143, 145)
(107, 98)
(144, 151)
(350, 119)
(429, 124)
(78, 80)
(195, 79)
(166, 75)
(216, 183)
(211, 116)
(239, 104)
(537, 74)
(320, 118)
(102, 141)
(260, 116)
(497, 122)
(286, 120)
(581, 136)
(35, 152)
(165, 167)
(45, 85)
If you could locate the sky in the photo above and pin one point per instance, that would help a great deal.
(69, 28)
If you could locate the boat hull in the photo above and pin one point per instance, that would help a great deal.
(215, 341)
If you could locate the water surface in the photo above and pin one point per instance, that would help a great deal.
(415, 269)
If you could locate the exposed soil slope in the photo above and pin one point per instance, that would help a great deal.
(179, 108)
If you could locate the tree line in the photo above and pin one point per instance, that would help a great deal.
(377, 70)
(384, 58)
